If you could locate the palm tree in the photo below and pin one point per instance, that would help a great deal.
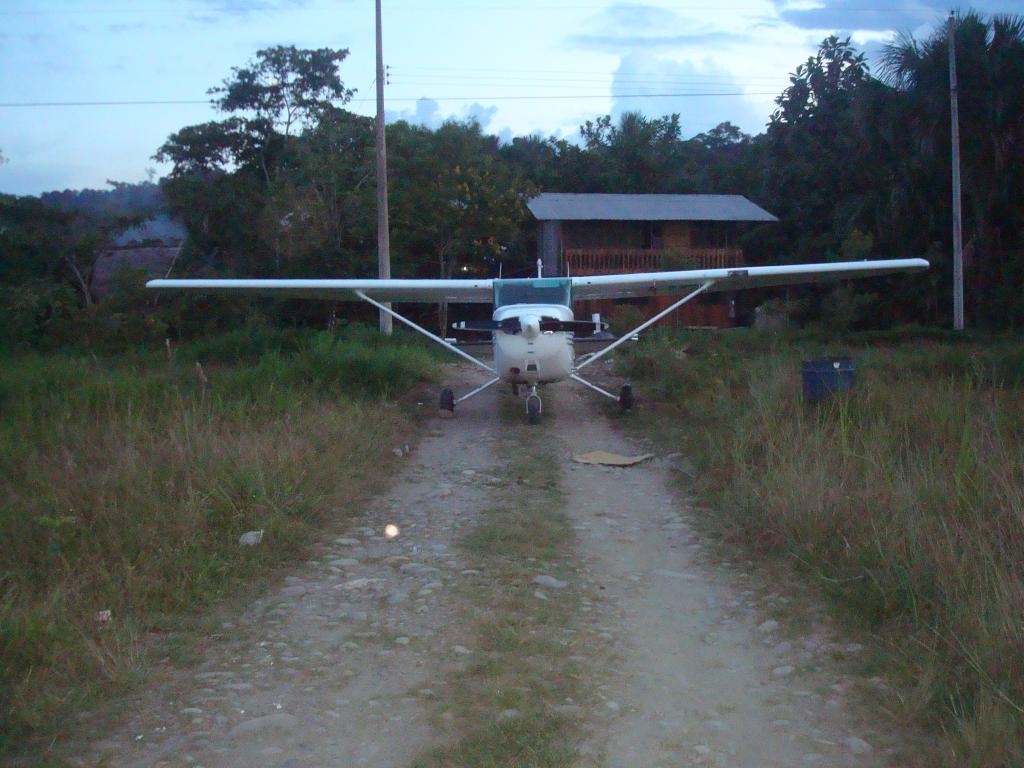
(990, 70)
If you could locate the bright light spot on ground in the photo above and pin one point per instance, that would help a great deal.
(391, 530)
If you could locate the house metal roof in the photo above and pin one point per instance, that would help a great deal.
(566, 206)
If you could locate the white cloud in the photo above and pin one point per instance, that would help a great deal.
(647, 73)
(628, 26)
(427, 112)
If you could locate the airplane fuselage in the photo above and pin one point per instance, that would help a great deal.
(533, 356)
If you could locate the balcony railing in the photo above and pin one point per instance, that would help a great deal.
(603, 261)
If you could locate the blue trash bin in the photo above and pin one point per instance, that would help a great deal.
(824, 376)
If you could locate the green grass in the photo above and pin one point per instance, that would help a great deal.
(903, 502)
(520, 659)
(125, 482)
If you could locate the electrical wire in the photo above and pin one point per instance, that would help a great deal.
(556, 83)
(588, 74)
(518, 97)
(480, 8)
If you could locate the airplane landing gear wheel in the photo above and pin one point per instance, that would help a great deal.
(533, 409)
(446, 406)
(533, 405)
(626, 398)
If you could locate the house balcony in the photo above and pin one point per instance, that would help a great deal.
(606, 261)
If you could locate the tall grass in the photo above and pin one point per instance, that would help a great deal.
(904, 502)
(125, 483)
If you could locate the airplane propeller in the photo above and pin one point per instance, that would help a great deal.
(512, 325)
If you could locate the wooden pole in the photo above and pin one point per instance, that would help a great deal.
(958, 247)
(383, 236)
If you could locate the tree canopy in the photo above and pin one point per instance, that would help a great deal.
(854, 164)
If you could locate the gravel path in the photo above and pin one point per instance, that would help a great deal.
(343, 663)
(699, 672)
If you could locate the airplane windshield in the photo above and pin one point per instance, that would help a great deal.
(534, 291)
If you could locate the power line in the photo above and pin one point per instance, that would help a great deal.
(590, 73)
(197, 12)
(130, 103)
(194, 9)
(574, 82)
(596, 96)
(519, 97)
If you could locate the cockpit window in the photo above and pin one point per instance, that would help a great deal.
(541, 290)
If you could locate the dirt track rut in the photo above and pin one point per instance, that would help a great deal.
(700, 673)
(344, 661)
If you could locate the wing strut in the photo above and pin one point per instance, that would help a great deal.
(627, 336)
(424, 331)
(478, 390)
(593, 386)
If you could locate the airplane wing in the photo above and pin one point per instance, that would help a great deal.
(668, 283)
(587, 287)
(430, 291)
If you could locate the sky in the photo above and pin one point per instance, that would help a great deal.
(524, 67)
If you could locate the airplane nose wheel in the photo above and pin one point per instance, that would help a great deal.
(533, 406)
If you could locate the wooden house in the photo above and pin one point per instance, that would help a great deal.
(596, 234)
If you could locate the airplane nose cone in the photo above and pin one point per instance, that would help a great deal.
(531, 326)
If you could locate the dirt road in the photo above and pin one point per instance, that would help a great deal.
(704, 676)
(345, 661)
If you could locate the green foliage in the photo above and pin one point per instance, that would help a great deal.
(990, 64)
(639, 154)
(33, 311)
(824, 86)
(285, 86)
(853, 166)
(454, 201)
(626, 318)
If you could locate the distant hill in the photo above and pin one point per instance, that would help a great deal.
(124, 199)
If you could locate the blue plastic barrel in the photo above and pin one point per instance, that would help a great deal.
(824, 376)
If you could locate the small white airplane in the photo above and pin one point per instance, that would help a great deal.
(533, 326)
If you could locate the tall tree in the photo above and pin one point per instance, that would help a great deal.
(285, 86)
(638, 154)
(990, 69)
(456, 204)
(810, 146)
(248, 164)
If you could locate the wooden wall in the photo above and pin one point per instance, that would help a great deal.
(712, 311)
(676, 234)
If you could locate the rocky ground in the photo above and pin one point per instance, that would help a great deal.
(348, 661)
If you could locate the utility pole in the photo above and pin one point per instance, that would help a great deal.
(383, 237)
(958, 246)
